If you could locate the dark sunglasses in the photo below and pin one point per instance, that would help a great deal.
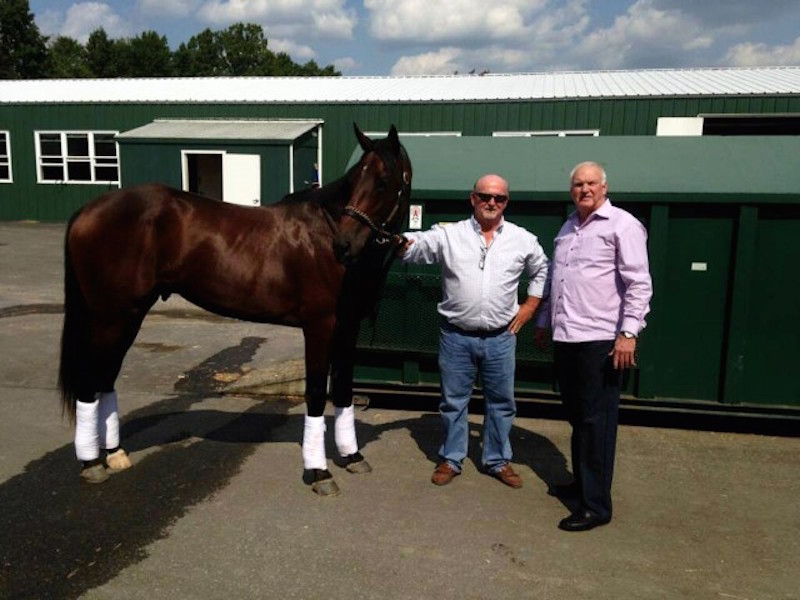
(498, 198)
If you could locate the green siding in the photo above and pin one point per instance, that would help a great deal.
(730, 199)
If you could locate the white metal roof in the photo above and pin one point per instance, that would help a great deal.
(223, 129)
(434, 88)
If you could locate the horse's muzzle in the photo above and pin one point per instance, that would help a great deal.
(342, 251)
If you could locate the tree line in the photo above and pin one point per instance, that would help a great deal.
(241, 49)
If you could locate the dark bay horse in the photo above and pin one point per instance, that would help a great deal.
(316, 260)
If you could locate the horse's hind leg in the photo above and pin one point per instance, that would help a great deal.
(97, 442)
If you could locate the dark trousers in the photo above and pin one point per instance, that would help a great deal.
(589, 387)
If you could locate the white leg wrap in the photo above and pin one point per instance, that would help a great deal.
(345, 431)
(108, 422)
(314, 443)
(87, 438)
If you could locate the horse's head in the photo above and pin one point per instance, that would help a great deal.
(380, 188)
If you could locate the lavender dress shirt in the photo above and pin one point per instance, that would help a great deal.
(599, 279)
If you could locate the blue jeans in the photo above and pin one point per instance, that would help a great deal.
(461, 357)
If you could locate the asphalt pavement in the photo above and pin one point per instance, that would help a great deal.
(215, 505)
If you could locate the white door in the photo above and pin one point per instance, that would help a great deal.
(241, 179)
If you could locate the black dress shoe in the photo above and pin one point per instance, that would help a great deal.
(570, 490)
(582, 521)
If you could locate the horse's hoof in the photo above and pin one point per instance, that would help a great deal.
(355, 463)
(94, 474)
(325, 487)
(118, 461)
(321, 481)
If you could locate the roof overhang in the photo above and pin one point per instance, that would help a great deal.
(640, 168)
(280, 130)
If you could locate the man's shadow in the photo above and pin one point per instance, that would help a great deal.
(531, 449)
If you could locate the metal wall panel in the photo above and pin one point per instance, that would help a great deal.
(25, 199)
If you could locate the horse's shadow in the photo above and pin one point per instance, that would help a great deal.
(271, 422)
(62, 538)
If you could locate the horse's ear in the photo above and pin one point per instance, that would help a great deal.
(394, 140)
(363, 140)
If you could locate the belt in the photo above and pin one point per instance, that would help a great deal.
(447, 326)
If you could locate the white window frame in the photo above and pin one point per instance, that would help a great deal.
(5, 159)
(553, 133)
(65, 159)
(382, 134)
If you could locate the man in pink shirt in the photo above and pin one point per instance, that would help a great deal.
(600, 290)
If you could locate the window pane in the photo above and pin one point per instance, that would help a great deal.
(104, 145)
(77, 144)
(3, 145)
(50, 144)
(52, 173)
(79, 171)
(4, 172)
(106, 174)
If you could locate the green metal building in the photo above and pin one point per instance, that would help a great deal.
(63, 142)
(706, 158)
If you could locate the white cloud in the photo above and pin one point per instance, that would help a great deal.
(49, 22)
(296, 51)
(346, 64)
(442, 62)
(762, 55)
(171, 8)
(84, 17)
(643, 37)
(423, 21)
(506, 35)
(319, 18)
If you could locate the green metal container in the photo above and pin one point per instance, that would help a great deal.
(722, 215)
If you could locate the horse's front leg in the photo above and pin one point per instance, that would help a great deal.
(342, 364)
(315, 461)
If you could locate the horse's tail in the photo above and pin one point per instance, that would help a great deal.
(72, 374)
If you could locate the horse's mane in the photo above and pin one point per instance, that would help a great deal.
(331, 195)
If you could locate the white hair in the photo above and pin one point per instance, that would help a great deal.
(588, 163)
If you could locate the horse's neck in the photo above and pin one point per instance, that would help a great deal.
(335, 195)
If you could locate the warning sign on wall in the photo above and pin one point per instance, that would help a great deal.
(415, 216)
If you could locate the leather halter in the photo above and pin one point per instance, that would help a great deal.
(383, 236)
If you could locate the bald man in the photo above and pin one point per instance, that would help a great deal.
(482, 259)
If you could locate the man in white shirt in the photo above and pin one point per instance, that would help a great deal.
(482, 259)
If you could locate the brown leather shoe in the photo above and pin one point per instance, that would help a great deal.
(507, 475)
(444, 474)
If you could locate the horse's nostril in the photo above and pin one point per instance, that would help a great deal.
(341, 249)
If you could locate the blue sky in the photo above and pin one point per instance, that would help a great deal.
(418, 37)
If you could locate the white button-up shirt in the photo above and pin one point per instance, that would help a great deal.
(480, 283)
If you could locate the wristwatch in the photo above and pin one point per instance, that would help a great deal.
(628, 335)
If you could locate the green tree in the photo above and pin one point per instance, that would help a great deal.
(244, 50)
(241, 49)
(101, 54)
(67, 59)
(201, 56)
(23, 51)
(150, 56)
